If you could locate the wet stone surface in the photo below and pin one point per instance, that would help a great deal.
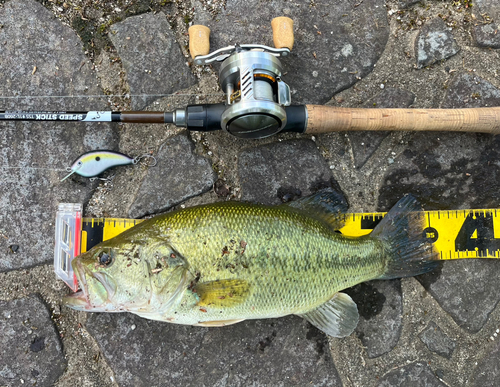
(447, 171)
(415, 374)
(178, 175)
(276, 352)
(380, 309)
(462, 168)
(30, 349)
(437, 341)
(434, 43)
(335, 44)
(39, 56)
(150, 55)
(365, 143)
(281, 172)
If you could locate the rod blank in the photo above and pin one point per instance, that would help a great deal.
(138, 117)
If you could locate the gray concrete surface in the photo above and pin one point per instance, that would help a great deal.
(439, 329)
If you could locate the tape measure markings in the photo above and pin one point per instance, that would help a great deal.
(456, 234)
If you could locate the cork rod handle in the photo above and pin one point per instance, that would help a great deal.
(282, 32)
(325, 119)
(199, 40)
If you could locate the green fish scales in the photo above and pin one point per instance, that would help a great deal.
(221, 263)
(291, 261)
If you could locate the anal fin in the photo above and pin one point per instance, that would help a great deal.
(337, 317)
(221, 323)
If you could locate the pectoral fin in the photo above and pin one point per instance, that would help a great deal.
(222, 293)
(338, 317)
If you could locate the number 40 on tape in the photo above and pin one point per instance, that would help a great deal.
(455, 234)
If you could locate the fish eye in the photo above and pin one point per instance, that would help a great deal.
(104, 259)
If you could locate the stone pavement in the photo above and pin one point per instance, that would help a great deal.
(439, 329)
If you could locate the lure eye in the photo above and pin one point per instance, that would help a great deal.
(79, 163)
(104, 259)
(97, 158)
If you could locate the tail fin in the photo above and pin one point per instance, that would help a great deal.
(409, 253)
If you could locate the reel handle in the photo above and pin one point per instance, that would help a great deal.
(199, 40)
(325, 119)
(282, 32)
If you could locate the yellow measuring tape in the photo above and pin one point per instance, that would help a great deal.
(455, 234)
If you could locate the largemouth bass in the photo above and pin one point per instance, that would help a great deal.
(222, 263)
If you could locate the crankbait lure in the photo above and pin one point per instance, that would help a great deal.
(92, 164)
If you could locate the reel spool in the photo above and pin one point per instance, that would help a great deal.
(250, 76)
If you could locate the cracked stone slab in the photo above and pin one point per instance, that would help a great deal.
(274, 352)
(416, 374)
(335, 44)
(179, 174)
(30, 349)
(283, 171)
(437, 341)
(434, 43)
(365, 143)
(380, 309)
(151, 56)
(33, 156)
(486, 373)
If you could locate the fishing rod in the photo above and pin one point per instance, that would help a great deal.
(258, 101)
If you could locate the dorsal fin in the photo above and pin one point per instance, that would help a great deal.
(326, 204)
(222, 293)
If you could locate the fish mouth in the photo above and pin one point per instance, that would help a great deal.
(97, 299)
(78, 300)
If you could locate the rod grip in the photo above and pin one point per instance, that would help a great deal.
(282, 32)
(325, 119)
(199, 40)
